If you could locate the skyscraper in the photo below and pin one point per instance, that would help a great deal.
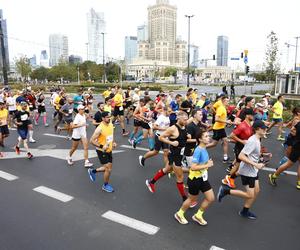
(44, 60)
(130, 48)
(194, 56)
(142, 33)
(222, 51)
(4, 30)
(59, 48)
(96, 28)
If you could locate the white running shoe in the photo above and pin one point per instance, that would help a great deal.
(69, 160)
(88, 164)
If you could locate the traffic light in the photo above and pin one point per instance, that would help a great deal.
(214, 57)
(242, 55)
(247, 70)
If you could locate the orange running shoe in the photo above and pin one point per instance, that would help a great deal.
(230, 182)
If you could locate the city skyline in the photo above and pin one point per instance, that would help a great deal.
(245, 24)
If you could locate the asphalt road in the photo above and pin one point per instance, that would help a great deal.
(32, 220)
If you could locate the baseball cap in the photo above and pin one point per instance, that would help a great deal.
(203, 94)
(80, 107)
(221, 94)
(267, 94)
(259, 124)
(207, 102)
(249, 112)
(23, 103)
(259, 105)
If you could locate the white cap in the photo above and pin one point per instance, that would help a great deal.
(267, 94)
(80, 107)
(136, 89)
(260, 105)
(203, 94)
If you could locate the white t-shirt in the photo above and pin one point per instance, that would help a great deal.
(11, 101)
(80, 132)
(135, 99)
(54, 95)
(162, 122)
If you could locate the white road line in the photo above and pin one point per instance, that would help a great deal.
(13, 129)
(130, 222)
(137, 148)
(54, 135)
(7, 176)
(53, 193)
(273, 170)
(216, 248)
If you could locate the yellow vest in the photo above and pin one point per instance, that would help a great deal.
(106, 136)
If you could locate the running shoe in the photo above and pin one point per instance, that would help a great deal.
(268, 133)
(298, 185)
(272, 180)
(181, 219)
(55, 129)
(92, 175)
(46, 125)
(17, 149)
(88, 164)
(32, 140)
(107, 188)
(171, 174)
(280, 138)
(230, 181)
(69, 160)
(125, 133)
(150, 186)
(134, 144)
(130, 141)
(199, 220)
(222, 192)
(29, 155)
(58, 130)
(226, 160)
(1, 155)
(193, 204)
(248, 215)
(142, 161)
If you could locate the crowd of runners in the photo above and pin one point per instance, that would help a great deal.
(183, 127)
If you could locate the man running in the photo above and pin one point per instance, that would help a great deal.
(103, 139)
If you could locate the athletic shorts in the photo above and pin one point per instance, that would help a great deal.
(32, 108)
(198, 184)
(175, 159)
(249, 181)
(76, 139)
(104, 157)
(277, 120)
(159, 144)
(23, 133)
(144, 125)
(136, 123)
(87, 111)
(219, 134)
(4, 130)
(67, 121)
(119, 112)
(41, 109)
(295, 153)
(237, 150)
(128, 105)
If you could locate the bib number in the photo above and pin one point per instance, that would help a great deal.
(182, 151)
(109, 139)
(205, 176)
(121, 108)
(24, 117)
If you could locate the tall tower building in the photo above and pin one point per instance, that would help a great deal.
(130, 48)
(222, 51)
(96, 30)
(44, 60)
(194, 56)
(4, 30)
(59, 48)
(142, 33)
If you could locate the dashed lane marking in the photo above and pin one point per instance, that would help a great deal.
(130, 222)
(54, 135)
(216, 248)
(53, 194)
(7, 176)
(137, 148)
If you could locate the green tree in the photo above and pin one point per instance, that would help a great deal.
(40, 73)
(112, 72)
(271, 63)
(23, 67)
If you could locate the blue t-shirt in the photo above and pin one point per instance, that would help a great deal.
(200, 156)
(77, 99)
(175, 107)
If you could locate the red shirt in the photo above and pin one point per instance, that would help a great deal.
(243, 131)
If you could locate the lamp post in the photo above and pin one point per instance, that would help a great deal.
(103, 62)
(297, 37)
(3, 54)
(188, 73)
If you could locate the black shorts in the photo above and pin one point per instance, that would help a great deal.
(197, 184)
(159, 144)
(12, 112)
(75, 110)
(144, 125)
(87, 111)
(76, 139)
(104, 157)
(249, 181)
(119, 112)
(219, 134)
(237, 150)
(41, 109)
(128, 105)
(4, 130)
(175, 159)
(295, 153)
(136, 123)
(32, 108)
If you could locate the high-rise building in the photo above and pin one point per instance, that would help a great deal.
(130, 48)
(74, 59)
(96, 30)
(59, 49)
(4, 30)
(44, 60)
(142, 33)
(222, 51)
(194, 50)
(32, 61)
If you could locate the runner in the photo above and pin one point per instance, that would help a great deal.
(98, 115)
(198, 181)
(248, 171)
(79, 134)
(4, 132)
(41, 110)
(22, 122)
(104, 141)
(66, 112)
(160, 125)
(12, 108)
(119, 110)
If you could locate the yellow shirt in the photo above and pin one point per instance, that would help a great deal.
(107, 135)
(3, 117)
(194, 97)
(222, 114)
(118, 100)
(200, 103)
(278, 110)
(217, 104)
(56, 102)
(107, 108)
(106, 93)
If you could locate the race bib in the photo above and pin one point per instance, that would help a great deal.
(188, 110)
(24, 117)
(109, 139)
(121, 108)
(30, 106)
(205, 176)
(182, 151)
(70, 111)
(43, 104)
(150, 124)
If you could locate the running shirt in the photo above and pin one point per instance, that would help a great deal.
(3, 117)
(200, 156)
(162, 122)
(106, 136)
(278, 110)
(192, 129)
(22, 116)
(80, 132)
(252, 150)
(106, 93)
(67, 109)
(118, 98)
(11, 102)
(175, 107)
(243, 131)
(182, 138)
(222, 114)
(78, 99)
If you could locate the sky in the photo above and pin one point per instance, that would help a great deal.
(246, 23)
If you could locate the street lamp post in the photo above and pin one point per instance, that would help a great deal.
(188, 73)
(103, 52)
(3, 54)
(297, 37)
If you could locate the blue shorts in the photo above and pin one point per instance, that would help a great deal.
(277, 120)
(23, 133)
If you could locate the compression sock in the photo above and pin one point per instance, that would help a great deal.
(180, 188)
(157, 176)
